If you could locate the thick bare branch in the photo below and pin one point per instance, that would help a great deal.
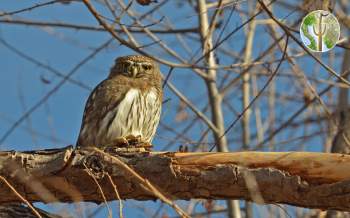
(313, 180)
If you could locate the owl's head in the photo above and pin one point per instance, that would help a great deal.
(135, 66)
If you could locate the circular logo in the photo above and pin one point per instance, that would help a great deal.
(320, 31)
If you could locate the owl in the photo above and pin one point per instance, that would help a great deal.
(125, 108)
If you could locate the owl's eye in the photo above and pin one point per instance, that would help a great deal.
(147, 67)
(126, 64)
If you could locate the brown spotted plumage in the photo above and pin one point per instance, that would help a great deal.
(125, 106)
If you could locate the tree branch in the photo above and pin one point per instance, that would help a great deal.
(313, 180)
(90, 28)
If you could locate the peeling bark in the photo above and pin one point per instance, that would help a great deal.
(313, 180)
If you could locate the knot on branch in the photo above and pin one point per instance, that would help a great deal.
(95, 164)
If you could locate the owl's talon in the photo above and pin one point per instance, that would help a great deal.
(146, 145)
(133, 140)
(119, 142)
(129, 143)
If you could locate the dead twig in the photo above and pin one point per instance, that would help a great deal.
(21, 197)
(117, 194)
(88, 171)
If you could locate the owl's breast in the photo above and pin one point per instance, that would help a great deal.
(137, 114)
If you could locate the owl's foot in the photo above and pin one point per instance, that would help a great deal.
(137, 142)
(129, 143)
(121, 145)
(133, 140)
(120, 142)
(146, 145)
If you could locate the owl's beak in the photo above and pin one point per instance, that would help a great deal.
(133, 71)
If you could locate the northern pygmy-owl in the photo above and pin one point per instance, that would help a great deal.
(126, 105)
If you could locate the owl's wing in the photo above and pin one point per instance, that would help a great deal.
(106, 96)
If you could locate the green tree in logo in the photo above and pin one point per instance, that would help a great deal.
(320, 31)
